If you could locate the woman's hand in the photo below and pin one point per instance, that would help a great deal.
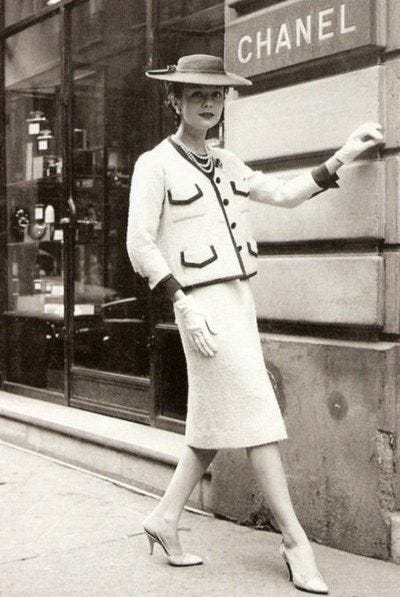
(196, 325)
(365, 136)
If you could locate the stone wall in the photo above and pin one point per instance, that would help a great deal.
(327, 291)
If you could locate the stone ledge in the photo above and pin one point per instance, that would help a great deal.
(140, 456)
(135, 438)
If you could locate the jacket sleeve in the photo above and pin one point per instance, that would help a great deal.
(267, 188)
(145, 208)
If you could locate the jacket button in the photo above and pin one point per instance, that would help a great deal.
(240, 247)
(226, 201)
(233, 225)
(218, 180)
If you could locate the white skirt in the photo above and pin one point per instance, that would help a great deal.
(231, 401)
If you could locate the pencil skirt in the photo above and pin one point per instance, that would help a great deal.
(231, 401)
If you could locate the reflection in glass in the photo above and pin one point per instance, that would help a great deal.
(109, 134)
(16, 10)
(34, 203)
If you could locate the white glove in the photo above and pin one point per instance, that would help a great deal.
(365, 136)
(196, 325)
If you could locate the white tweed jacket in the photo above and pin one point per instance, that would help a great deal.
(196, 227)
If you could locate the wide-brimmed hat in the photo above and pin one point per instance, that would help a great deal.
(199, 69)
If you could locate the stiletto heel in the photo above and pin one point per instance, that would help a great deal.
(151, 542)
(315, 584)
(184, 559)
(290, 571)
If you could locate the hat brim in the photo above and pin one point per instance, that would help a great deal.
(224, 79)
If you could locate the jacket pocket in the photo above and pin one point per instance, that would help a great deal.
(199, 257)
(240, 188)
(252, 247)
(241, 191)
(186, 203)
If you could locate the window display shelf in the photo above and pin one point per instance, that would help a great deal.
(35, 242)
(34, 315)
(28, 184)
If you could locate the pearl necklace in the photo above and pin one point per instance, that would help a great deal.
(205, 163)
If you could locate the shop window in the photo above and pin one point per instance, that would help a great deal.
(16, 10)
(183, 9)
(110, 131)
(121, 331)
(34, 198)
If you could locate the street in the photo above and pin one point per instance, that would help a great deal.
(65, 532)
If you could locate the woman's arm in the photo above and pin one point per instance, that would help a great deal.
(145, 208)
(272, 190)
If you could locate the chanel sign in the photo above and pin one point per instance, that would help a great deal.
(294, 32)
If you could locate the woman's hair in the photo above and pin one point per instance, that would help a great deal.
(173, 89)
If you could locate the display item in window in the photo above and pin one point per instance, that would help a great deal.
(49, 218)
(51, 167)
(20, 222)
(45, 141)
(80, 139)
(37, 230)
(35, 121)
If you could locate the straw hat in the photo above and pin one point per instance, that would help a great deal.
(199, 69)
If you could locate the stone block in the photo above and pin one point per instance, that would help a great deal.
(308, 117)
(392, 200)
(339, 471)
(395, 544)
(354, 211)
(392, 94)
(88, 455)
(299, 31)
(150, 474)
(13, 432)
(232, 493)
(330, 289)
(393, 29)
(154, 476)
(392, 292)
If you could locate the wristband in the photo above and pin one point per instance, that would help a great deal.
(168, 286)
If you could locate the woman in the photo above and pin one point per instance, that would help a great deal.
(189, 234)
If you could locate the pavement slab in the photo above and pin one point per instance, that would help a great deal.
(65, 532)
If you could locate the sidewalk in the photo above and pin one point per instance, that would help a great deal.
(65, 532)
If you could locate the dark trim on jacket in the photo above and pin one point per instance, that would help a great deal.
(202, 263)
(219, 280)
(168, 286)
(211, 179)
(185, 201)
(238, 191)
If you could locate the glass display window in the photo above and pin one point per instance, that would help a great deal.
(34, 189)
(109, 132)
(16, 10)
(79, 320)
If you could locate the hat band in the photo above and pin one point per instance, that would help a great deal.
(171, 68)
(200, 72)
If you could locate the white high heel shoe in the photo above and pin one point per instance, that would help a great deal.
(184, 559)
(314, 584)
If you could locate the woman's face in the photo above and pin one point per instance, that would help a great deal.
(201, 105)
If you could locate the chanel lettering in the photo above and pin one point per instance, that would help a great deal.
(300, 31)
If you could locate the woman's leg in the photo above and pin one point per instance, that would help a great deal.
(267, 464)
(164, 518)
